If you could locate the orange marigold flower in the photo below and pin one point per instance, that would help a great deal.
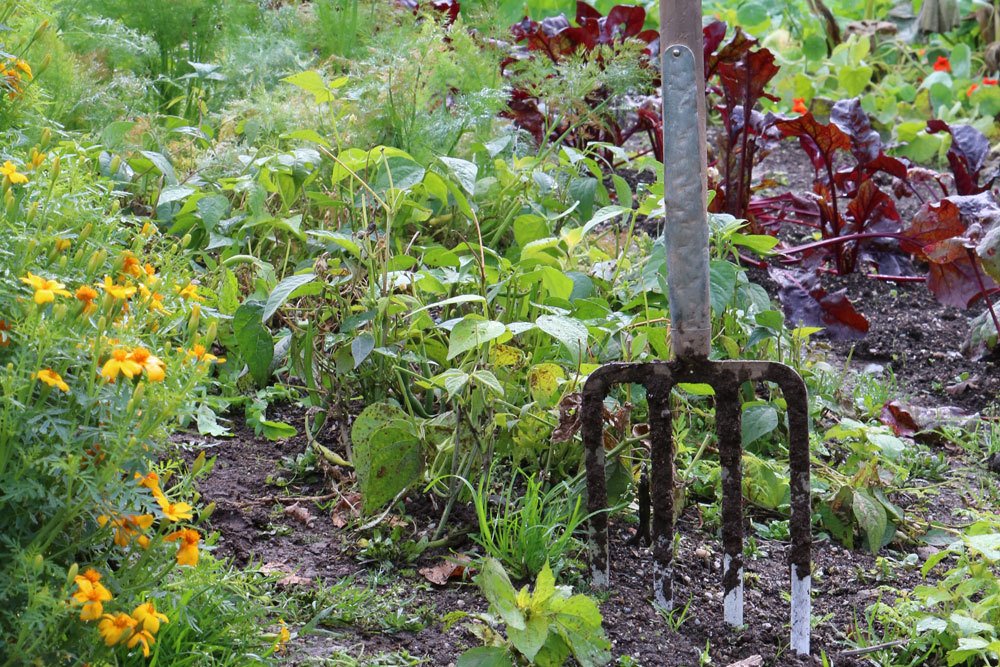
(93, 595)
(153, 366)
(799, 105)
(87, 294)
(117, 291)
(45, 289)
(131, 265)
(187, 552)
(23, 66)
(942, 64)
(114, 628)
(127, 527)
(198, 352)
(120, 363)
(51, 378)
(11, 174)
(174, 511)
(148, 618)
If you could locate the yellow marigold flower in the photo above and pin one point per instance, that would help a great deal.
(45, 289)
(114, 628)
(120, 363)
(23, 66)
(148, 229)
(148, 618)
(87, 294)
(283, 637)
(150, 272)
(141, 637)
(189, 291)
(92, 595)
(174, 511)
(117, 291)
(90, 574)
(51, 378)
(153, 366)
(198, 352)
(11, 174)
(35, 159)
(62, 245)
(187, 552)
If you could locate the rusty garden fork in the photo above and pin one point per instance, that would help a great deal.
(686, 237)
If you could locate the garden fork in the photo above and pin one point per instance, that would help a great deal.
(686, 236)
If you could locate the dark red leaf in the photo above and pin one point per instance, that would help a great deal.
(523, 110)
(743, 81)
(968, 151)
(896, 417)
(805, 302)
(819, 141)
(585, 12)
(866, 144)
(935, 221)
(954, 283)
(738, 46)
(872, 208)
(712, 36)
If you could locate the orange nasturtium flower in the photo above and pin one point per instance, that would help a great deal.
(148, 618)
(153, 366)
(87, 294)
(971, 89)
(4, 336)
(120, 362)
(11, 174)
(990, 82)
(51, 378)
(113, 628)
(189, 291)
(174, 511)
(187, 553)
(799, 105)
(117, 291)
(45, 289)
(92, 594)
(942, 64)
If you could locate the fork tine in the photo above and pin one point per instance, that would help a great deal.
(727, 425)
(662, 493)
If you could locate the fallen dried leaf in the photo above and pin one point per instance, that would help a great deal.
(346, 510)
(440, 574)
(964, 385)
(300, 514)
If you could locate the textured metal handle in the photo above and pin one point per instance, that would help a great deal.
(685, 231)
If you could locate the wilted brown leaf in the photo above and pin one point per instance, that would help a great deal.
(443, 572)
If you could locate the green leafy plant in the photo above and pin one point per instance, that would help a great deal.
(544, 627)
(527, 529)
